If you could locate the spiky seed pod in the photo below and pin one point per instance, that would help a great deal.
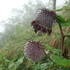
(44, 20)
(46, 17)
(34, 51)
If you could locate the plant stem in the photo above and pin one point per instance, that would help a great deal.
(62, 39)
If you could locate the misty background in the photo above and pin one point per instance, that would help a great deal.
(9, 10)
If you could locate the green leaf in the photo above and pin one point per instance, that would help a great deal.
(48, 47)
(11, 65)
(19, 62)
(43, 66)
(57, 10)
(60, 60)
(14, 65)
(67, 22)
(64, 8)
(68, 35)
(60, 20)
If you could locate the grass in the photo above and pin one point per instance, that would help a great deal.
(12, 54)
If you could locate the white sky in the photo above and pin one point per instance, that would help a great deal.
(6, 7)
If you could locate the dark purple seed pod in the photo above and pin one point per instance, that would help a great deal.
(34, 51)
(44, 20)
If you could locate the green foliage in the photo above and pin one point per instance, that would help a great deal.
(54, 51)
(14, 66)
(62, 21)
(68, 35)
(60, 61)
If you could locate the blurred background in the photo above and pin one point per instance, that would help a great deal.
(8, 7)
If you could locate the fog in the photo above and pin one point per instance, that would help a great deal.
(6, 7)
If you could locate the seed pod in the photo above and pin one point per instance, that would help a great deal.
(44, 20)
(34, 51)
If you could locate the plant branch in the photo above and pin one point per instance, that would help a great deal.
(62, 37)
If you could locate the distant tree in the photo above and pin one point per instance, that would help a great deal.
(67, 2)
(54, 4)
(27, 12)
